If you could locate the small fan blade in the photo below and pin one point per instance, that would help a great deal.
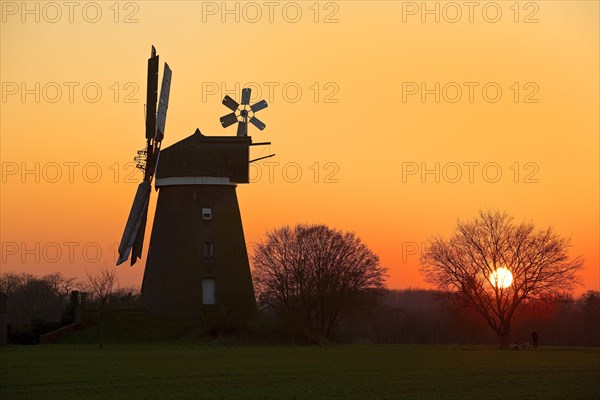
(230, 103)
(257, 123)
(242, 129)
(259, 106)
(228, 119)
(246, 96)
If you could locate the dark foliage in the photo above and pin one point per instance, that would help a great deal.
(310, 276)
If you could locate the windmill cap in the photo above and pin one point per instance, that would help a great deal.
(206, 156)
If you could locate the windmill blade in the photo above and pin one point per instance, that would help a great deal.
(242, 129)
(257, 123)
(136, 251)
(230, 103)
(259, 106)
(152, 87)
(163, 104)
(228, 120)
(246, 96)
(136, 217)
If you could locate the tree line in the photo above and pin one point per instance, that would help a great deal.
(312, 277)
(40, 304)
(496, 280)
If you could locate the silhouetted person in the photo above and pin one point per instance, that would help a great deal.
(534, 338)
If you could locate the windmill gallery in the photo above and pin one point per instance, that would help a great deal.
(197, 264)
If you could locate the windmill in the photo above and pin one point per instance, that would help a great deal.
(197, 265)
(146, 160)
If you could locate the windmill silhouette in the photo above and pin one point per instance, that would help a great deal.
(197, 265)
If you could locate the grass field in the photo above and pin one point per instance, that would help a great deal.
(191, 371)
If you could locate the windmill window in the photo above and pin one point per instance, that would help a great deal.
(209, 249)
(207, 213)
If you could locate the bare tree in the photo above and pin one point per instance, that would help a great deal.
(61, 285)
(102, 286)
(315, 275)
(495, 264)
(36, 298)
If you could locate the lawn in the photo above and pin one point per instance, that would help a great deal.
(194, 371)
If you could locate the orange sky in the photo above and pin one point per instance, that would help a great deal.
(344, 81)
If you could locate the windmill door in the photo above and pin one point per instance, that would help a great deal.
(208, 291)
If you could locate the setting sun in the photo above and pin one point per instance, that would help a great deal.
(501, 278)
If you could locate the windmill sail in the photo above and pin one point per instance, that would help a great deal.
(163, 104)
(242, 128)
(133, 237)
(228, 119)
(230, 103)
(246, 93)
(151, 95)
(136, 250)
(137, 217)
(257, 123)
(259, 106)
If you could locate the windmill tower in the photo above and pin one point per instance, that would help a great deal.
(197, 265)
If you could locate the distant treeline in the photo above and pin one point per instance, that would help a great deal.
(38, 304)
(428, 316)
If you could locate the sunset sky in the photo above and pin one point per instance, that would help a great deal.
(353, 118)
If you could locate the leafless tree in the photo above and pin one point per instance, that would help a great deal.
(538, 260)
(315, 275)
(36, 298)
(102, 286)
(61, 285)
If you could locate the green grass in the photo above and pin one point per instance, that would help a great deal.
(133, 326)
(187, 371)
